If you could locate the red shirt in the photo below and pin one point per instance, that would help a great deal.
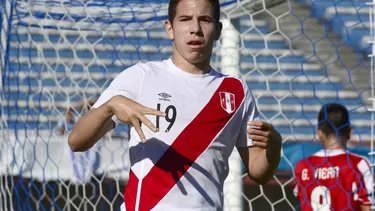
(333, 180)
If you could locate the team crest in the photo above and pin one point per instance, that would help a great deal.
(227, 102)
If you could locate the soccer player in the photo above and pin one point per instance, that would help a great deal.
(186, 118)
(333, 178)
(65, 124)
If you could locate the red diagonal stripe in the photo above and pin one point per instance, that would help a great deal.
(131, 192)
(188, 146)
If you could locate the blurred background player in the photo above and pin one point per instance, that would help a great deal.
(66, 123)
(85, 163)
(333, 178)
(186, 119)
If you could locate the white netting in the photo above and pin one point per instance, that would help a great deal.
(295, 55)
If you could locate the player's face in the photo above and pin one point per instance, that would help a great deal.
(193, 31)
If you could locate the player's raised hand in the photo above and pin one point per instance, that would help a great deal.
(262, 133)
(133, 113)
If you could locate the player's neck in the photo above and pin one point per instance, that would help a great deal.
(332, 144)
(197, 69)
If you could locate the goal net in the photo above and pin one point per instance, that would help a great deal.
(58, 56)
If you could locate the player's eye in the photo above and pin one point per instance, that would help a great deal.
(206, 19)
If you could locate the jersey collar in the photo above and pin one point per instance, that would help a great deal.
(330, 152)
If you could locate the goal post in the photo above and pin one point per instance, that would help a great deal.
(58, 56)
(371, 42)
(5, 23)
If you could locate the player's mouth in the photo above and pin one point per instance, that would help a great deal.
(195, 43)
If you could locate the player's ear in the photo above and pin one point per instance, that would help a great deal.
(219, 28)
(320, 135)
(169, 29)
(350, 133)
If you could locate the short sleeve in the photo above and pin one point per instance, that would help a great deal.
(128, 84)
(250, 114)
(364, 185)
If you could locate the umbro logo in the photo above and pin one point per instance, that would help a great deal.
(164, 96)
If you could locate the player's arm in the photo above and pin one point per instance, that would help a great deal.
(263, 157)
(365, 207)
(364, 185)
(98, 121)
(297, 178)
(90, 128)
(259, 144)
(116, 104)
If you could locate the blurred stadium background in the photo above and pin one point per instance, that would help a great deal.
(55, 55)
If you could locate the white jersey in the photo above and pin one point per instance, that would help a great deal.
(184, 165)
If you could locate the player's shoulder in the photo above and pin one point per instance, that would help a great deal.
(237, 79)
(358, 159)
(238, 82)
(308, 162)
(303, 163)
(151, 66)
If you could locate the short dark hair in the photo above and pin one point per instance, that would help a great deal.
(174, 3)
(333, 119)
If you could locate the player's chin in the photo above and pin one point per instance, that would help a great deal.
(196, 57)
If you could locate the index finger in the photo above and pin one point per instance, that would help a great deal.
(259, 124)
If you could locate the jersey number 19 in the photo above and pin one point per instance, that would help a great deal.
(171, 115)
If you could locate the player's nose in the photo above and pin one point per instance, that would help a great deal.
(195, 27)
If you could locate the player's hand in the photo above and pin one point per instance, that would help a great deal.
(133, 113)
(263, 135)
